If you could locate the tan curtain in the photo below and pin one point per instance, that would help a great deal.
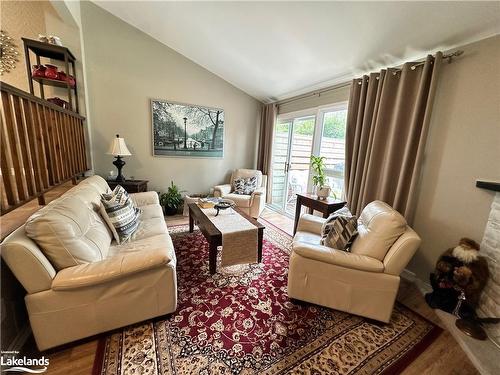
(268, 118)
(387, 125)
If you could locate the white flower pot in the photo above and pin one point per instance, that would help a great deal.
(324, 192)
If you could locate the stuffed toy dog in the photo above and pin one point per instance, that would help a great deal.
(458, 269)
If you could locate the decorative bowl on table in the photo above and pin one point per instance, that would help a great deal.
(223, 204)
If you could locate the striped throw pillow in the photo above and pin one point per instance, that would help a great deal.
(339, 230)
(120, 214)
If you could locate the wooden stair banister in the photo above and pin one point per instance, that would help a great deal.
(42, 146)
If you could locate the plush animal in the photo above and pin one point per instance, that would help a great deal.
(458, 269)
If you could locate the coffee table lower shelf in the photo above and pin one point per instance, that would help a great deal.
(214, 236)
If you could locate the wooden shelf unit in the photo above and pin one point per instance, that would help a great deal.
(53, 52)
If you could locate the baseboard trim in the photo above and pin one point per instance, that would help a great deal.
(20, 339)
(423, 286)
(408, 275)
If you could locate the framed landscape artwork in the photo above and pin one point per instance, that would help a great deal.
(187, 130)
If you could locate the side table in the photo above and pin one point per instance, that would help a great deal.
(326, 206)
(131, 186)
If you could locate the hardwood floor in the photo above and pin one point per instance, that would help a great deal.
(444, 356)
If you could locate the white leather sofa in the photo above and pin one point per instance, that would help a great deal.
(364, 281)
(79, 282)
(252, 204)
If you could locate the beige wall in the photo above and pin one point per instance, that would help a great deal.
(340, 94)
(22, 19)
(27, 19)
(125, 69)
(463, 145)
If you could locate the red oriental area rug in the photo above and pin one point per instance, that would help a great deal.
(240, 321)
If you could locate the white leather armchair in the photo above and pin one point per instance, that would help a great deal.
(251, 204)
(365, 280)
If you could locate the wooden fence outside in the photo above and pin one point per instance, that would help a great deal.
(332, 148)
(42, 146)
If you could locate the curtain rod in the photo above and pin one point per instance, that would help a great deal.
(313, 93)
(318, 93)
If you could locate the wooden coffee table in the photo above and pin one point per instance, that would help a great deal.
(214, 236)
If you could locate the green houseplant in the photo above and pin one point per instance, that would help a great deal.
(319, 178)
(171, 200)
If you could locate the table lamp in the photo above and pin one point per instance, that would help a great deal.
(118, 148)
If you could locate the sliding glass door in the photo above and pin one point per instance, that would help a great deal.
(292, 147)
(332, 147)
(320, 131)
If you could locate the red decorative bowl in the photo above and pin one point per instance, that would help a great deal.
(71, 80)
(39, 71)
(61, 76)
(51, 72)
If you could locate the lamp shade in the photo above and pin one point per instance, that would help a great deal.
(118, 147)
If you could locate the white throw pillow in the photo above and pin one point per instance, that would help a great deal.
(120, 213)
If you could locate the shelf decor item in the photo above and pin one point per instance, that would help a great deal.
(71, 80)
(58, 76)
(55, 40)
(58, 101)
(61, 76)
(118, 148)
(51, 72)
(8, 53)
(39, 71)
(186, 130)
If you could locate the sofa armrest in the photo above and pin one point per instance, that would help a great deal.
(339, 258)
(119, 266)
(145, 198)
(310, 223)
(221, 190)
(259, 191)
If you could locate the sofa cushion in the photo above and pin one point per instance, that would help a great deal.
(307, 237)
(150, 211)
(240, 200)
(161, 241)
(379, 226)
(339, 230)
(340, 258)
(120, 213)
(69, 232)
(98, 183)
(149, 228)
(90, 190)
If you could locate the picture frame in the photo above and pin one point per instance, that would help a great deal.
(186, 130)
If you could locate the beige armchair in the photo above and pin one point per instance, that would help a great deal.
(365, 280)
(252, 204)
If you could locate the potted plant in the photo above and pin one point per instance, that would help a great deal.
(171, 200)
(319, 178)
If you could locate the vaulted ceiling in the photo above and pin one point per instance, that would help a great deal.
(273, 50)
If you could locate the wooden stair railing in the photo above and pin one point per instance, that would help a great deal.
(42, 146)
